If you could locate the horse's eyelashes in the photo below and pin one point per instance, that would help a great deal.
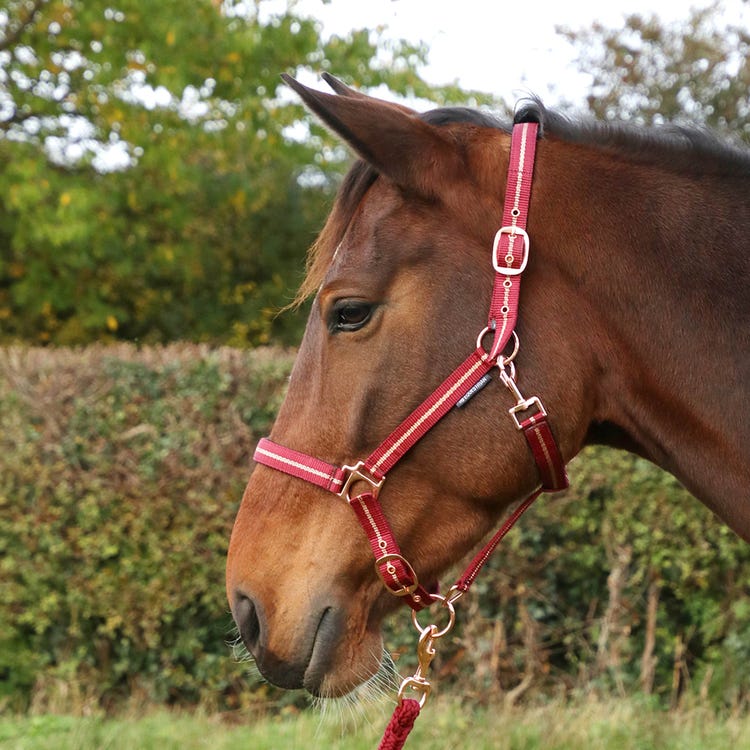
(349, 315)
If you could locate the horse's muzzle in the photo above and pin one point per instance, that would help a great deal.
(307, 662)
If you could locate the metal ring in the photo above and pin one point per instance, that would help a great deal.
(501, 360)
(482, 334)
(446, 602)
(516, 346)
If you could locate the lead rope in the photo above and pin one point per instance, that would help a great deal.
(407, 709)
(400, 725)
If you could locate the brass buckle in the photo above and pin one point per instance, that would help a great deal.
(391, 570)
(508, 270)
(355, 474)
(525, 405)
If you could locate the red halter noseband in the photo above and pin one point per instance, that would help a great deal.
(510, 255)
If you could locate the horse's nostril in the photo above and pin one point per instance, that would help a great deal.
(246, 616)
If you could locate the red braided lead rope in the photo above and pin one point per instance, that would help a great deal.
(407, 709)
(400, 725)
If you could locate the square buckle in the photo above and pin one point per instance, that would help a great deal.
(508, 270)
(525, 405)
(355, 474)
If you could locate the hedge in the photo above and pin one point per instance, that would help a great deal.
(121, 470)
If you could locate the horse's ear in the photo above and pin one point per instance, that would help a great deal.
(339, 86)
(343, 90)
(390, 137)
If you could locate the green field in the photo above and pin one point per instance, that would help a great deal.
(594, 725)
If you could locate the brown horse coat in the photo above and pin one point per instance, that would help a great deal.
(634, 325)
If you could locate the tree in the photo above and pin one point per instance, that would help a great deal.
(697, 72)
(153, 183)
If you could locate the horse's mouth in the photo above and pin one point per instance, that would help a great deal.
(325, 664)
(337, 665)
(324, 645)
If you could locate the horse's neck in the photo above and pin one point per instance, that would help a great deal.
(665, 267)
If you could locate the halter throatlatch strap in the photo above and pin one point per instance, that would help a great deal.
(360, 484)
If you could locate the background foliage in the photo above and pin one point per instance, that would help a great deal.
(697, 72)
(156, 184)
(120, 474)
(121, 471)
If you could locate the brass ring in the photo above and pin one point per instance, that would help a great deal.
(446, 602)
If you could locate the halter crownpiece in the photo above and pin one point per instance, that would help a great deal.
(510, 255)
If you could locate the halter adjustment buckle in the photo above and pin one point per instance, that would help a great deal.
(359, 473)
(509, 269)
(524, 406)
(407, 589)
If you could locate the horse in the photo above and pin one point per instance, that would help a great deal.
(633, 328)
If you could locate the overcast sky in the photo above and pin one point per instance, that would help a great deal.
(504, 52)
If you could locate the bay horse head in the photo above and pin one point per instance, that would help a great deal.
(402, 280)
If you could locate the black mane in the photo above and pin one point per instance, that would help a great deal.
(676, 147)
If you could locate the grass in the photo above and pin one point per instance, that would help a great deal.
(594, 725)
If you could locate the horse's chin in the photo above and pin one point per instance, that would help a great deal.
(382, 686)
(339, 670)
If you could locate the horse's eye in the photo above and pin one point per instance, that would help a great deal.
(349, 315)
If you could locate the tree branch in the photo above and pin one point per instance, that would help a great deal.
(12, 38)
